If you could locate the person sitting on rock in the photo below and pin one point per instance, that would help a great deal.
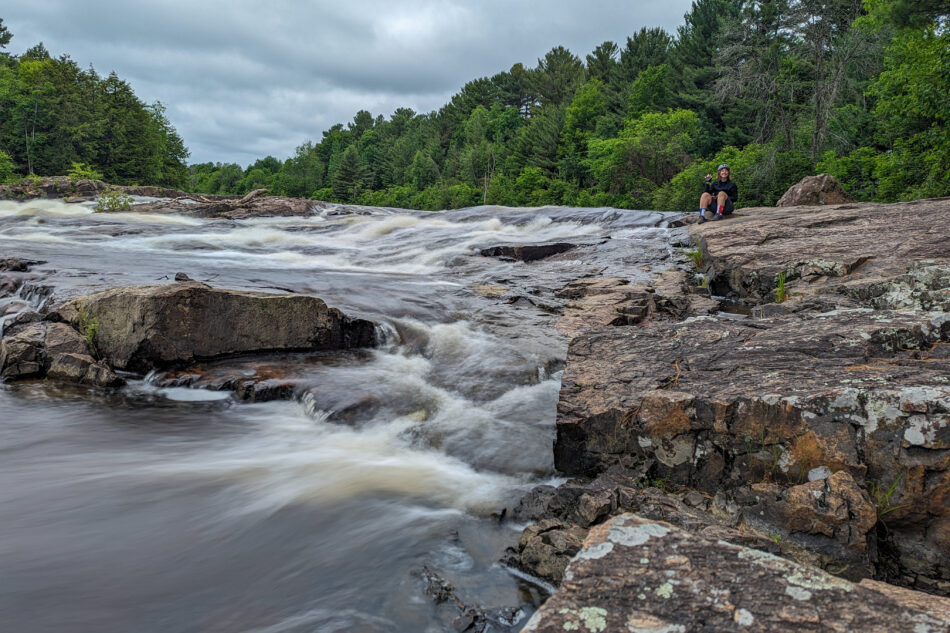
(718, 196)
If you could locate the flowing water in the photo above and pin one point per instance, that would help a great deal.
(184, 510)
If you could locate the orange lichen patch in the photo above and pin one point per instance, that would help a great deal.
(806, 452)
(663, 414)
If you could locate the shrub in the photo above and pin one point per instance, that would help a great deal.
(82, 171)
(7, 168)
(113, 200)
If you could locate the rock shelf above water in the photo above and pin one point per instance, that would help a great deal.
(140, 328)
(646, 576)
(821, 422)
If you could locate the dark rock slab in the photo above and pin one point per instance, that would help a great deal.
(527, 252)
(810, 190)
(17, 264)
(639, 575)
(146, 327)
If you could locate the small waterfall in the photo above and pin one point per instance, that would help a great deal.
(310, 407)
(151, 378)
(387, 337)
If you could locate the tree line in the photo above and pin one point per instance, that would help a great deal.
(56, 117)
(779, 89)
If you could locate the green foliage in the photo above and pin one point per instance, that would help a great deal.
(82, 171)
(5, 35)
(649, 151)
(113, 200)
(913, 110)
(855, 171)
(7, 167)
(56, 114)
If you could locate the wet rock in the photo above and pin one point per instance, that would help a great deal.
(182, 277)
(527, 252)
(23, 354)
(635, 574)
(28, 188)
(467, 618)
(252, 390)
(21, 318)
(358, 408)
(83, 369)
(12, 275)
(230, 207)
(546, 548)
(146, 327)
(820, 189)
(17, 265)
(568, 511)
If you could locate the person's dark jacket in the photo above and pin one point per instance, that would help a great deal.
(713, 188)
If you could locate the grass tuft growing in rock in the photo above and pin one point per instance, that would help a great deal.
(88, 327)
(696, 256)
(882, 498)
(780, 292)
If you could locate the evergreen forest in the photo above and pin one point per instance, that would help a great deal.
(778, 89)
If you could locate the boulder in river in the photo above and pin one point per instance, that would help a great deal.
(140, 328)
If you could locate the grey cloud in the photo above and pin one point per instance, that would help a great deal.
(244, 79)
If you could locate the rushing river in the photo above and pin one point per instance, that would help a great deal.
(172, 510)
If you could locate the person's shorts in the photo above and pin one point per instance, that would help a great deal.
(726, 210)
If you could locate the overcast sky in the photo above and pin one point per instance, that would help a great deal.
(243, 79)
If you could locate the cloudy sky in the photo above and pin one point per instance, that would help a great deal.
(243, 79)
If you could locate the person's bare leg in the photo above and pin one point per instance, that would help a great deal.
(704, 201)
(721, 202)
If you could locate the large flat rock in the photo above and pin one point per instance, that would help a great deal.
(836, 249)
(641, 576)
(141, 328)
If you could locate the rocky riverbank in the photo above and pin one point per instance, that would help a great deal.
(256, 204)
(803, 410)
